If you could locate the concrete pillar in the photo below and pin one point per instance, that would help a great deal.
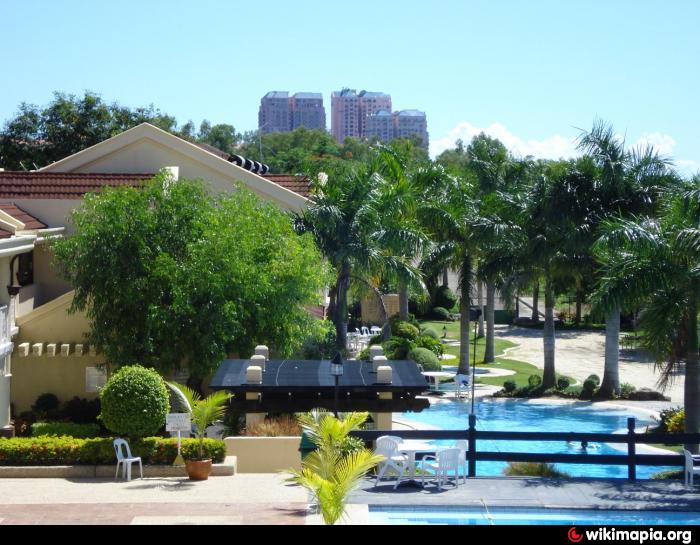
(383, 421)
(375, 350)
(262, 350)
(258, 361)
(377, 362)
(5, 429)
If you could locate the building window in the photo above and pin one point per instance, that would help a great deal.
(95, 379)
(25, 272)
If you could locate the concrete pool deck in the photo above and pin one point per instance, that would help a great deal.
(536, 492)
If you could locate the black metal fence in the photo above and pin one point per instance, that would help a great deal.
(631, 459)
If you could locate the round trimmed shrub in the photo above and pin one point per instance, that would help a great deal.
(434, 345)
(595, 379)
(397, 348)
(406, 331)
(430, 332)
(534, 381)
(134, 401)
(441, 314)
(509, 386)
(589, 386)
(563, 383)
(46, 403)
(445, 297)
(425, 358)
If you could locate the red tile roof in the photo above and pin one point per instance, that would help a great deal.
(73, 185)
(30, 222)
(61, 185)
(298, 184)
(5, 234)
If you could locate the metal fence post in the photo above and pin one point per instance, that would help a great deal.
(631, 450)
(472, 445)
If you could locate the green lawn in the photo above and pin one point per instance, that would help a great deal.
(522, 369)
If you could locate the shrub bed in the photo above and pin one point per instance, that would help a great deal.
(59, 429)
(425, 358)
(61, 451)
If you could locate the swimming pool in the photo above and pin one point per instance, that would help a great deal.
(523, 415)
(462, 516)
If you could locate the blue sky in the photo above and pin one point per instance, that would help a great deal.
(529, 72)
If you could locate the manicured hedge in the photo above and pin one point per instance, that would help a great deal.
(58, 429)
(59, 451)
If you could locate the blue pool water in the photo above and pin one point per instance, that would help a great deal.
(519, 415)
(504, 516)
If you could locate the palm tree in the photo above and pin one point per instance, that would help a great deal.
(203, 412)
(345, 217)
(407, 189)
(329, 473)
(628, 182)
(654, 263)
(450, 217)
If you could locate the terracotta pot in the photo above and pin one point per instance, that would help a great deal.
(198, 470)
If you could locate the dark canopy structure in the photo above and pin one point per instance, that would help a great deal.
(290, 386)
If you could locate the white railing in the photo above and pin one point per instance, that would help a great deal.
(5, 324)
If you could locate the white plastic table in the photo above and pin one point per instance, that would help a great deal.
(412, 447)
(434, 377)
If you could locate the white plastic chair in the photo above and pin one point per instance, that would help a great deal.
(444, 465)
(388, 446)
(365, 331)
(690, 468)
(463, 447)
(463, 384)
(123, 452)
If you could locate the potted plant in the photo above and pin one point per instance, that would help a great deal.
(204, 412)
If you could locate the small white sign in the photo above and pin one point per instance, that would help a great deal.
(178, 422)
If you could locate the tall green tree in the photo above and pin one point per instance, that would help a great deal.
(654, 263)
(346, 217)
(627, 183)
(169, 276)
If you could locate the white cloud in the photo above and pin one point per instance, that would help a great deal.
(553, 147)
(662, 143)
(556, 146)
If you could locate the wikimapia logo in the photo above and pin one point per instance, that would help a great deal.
(637, 536)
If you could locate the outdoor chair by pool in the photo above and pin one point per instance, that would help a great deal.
(123, 452)
(445, 465)
(691, 468)
(388, 447)
(463, 446)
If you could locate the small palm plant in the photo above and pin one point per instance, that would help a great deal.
(332, 471)
(204, 412)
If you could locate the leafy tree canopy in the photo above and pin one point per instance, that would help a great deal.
(169, 275)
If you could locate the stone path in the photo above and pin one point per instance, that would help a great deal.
(242, 499)
(581, 353)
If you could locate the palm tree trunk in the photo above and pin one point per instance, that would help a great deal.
(464, 305)
(691, 394)
(480, 302)
(403, 300)
(490, 352)
(445, 278)
(340, 314)
(579, 306)
(549, 376)
(536, 303)
(611, 373)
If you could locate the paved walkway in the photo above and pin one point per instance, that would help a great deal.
(582, 353)
(242, 499)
